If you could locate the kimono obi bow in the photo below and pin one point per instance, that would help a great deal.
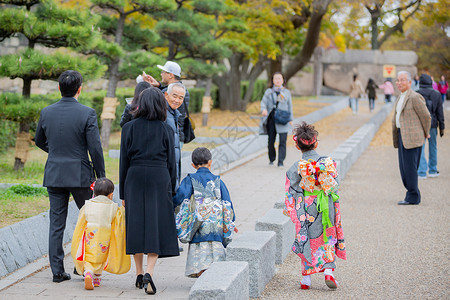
(320, 174)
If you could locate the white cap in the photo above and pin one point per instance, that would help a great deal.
(171, 67)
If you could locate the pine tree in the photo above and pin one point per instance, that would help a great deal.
(127, 56)
(47, 24)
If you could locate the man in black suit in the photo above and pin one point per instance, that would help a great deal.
(67, 131)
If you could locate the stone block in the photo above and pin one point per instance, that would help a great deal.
(274, 220)
(39, 226)
(23, 241)
(3, 270)
(279, 204)
(5, 253)
(26, 227)
(258, 249)
(227, 280)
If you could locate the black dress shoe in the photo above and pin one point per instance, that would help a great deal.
(61, 277)
(403, 202)
(149, 286)
(139, 281)
(280, 163)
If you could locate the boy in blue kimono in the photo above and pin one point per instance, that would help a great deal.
(206, 216)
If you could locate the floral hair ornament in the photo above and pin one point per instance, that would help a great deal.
(294, 138)
(309, 142)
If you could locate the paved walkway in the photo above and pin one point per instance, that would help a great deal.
(385, 246)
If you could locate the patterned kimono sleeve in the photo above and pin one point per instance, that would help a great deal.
(288, 200)
(77, 247)
(118, 261)
(340, 244)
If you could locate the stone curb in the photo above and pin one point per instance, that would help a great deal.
(228, 280)
(274, 220)
(258, 249)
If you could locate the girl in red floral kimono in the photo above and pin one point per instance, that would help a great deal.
(313, 205)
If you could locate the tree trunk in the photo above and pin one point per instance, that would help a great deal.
(113, 81)
(374, 17)
(19, 163)
(312, 38)
(207, 97)
(274, 66)
(235, 82)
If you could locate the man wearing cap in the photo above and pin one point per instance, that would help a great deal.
(171, 73)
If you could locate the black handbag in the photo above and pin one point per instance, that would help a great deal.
(281, 116)
(188, 130)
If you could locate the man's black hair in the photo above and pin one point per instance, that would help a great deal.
(103, 186)
(201, 156)
(69, 83)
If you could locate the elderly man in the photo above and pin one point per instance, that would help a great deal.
(174, 95)
(410, 126)
(171, 73)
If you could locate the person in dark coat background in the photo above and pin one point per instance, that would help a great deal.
(434, 105)
(127, 112)
(371, 93)
(68, 131)
(147, 179)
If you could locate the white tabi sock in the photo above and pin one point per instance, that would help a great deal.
(328, 272)
(306, 280)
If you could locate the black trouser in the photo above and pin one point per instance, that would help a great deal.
(272, 133)
(408, 160)
(59, 204)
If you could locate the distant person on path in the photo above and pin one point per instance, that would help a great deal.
(442, 88)
(129, 108)
(434, 84)
(212, 202)
(410, 126)
(276, 98)
(171, 73)
(371, 93)
(434, 105)
(68, 132)
(388, 90)
(313, 205)
(415, 83)
(98, 241)
(356, 91)
(147, 180)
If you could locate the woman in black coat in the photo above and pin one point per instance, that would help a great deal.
(147, 176)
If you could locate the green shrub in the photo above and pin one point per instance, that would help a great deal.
(28, 190)
(8, 131)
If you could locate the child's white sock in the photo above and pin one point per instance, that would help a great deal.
(306, 280)
(329, 272)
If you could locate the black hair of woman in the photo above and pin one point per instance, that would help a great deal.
(152, 105)
(137, 91)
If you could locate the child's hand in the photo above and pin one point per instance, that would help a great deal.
(236, 230)
(123, 203)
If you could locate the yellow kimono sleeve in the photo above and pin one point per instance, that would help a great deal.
(118, 261)
(77, 248)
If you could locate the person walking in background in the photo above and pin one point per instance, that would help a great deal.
(147, 180)
(171, 73)
(442, 87)
(415, 83)
(207, 243)
(98, 241)
(275, 98)
(371, 93)
(356, 91)
(68, 132)
(434, 105)
(434, 84)
(410, 126)
(129, 108)
(313, 206)
(388, 90)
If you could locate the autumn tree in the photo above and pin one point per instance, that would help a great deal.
(47, 24)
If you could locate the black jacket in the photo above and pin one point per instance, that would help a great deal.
(433, 101)
(68, 131)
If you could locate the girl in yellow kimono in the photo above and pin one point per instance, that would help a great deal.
(98, 241)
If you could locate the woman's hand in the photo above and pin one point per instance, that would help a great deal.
(123, 203)
(264, 113)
